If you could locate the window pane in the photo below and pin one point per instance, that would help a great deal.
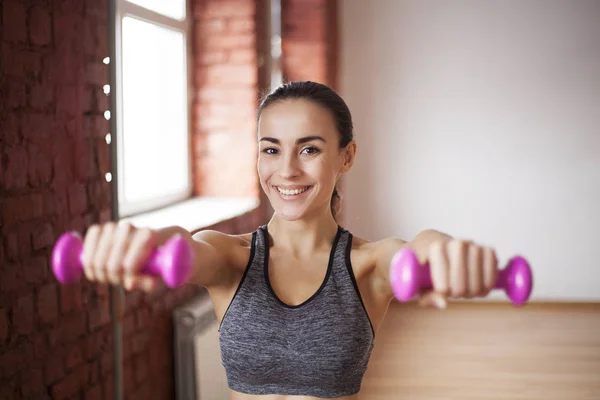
(155, 137)
(170, 8)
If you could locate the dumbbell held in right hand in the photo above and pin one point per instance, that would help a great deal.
(173, 261)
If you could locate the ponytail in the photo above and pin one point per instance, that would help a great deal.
(336, 203)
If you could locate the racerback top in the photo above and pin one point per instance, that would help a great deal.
(318, 348)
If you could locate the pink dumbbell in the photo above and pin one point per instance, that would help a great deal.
(408, 277)
(173, 261)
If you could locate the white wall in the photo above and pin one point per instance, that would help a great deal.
(481, 119)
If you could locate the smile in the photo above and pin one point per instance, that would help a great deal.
(294, 191)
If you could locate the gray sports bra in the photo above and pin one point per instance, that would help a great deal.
(319, 348)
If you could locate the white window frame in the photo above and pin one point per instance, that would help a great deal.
(126, 9)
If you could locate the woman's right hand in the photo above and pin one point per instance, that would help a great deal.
(115, 253)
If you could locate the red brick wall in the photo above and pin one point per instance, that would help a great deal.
(309, 40)
(227, 85)
(55, 341)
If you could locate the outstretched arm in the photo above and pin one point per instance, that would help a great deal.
(117, 254)
(459, 268)
(211, 254)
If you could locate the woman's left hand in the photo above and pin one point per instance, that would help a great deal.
(459, 269)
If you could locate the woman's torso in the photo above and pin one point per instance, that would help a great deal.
(296, 284)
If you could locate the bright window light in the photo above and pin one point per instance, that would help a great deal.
(154, 110)
(170, 8)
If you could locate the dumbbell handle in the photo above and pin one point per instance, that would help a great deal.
(408, 277)
(173, 261)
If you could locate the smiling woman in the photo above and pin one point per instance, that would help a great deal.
(299, 300)
(324, 137)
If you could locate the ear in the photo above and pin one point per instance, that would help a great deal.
(348, 156)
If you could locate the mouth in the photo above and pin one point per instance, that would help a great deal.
(288, 193)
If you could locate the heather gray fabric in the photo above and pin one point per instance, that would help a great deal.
(319, 348)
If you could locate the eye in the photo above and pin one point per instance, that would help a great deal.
(269, 150)
(310, 150)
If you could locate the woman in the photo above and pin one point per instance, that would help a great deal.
(300, 299)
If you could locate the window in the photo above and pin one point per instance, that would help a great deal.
(152, 102)
(276, 52)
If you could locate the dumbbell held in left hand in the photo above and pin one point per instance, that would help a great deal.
(408, 277)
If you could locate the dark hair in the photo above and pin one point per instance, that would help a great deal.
(324, 96)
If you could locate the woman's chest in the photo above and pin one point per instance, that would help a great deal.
(326, 338)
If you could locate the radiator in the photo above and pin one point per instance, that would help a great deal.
(199, 373)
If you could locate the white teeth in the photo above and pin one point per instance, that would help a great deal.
(292, 192)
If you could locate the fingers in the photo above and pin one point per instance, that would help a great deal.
(115, 254)
(433, 299)
(89, 245)
(457, 255)
(460, 269)
(490, 269)
(102, 252)
(438, 265)
(114, 264)
(142, 244)
(475, 271)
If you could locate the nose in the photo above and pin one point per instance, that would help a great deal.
(290, 167)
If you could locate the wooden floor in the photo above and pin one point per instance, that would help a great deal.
(483, 351)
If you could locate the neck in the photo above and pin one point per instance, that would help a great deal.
(303, 236)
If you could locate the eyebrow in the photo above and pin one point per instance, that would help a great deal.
(298, 141)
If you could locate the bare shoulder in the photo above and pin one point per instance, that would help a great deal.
(386, 245)
(362, 255)
(217, 238)
(376, 247)
(366, 254)
(234, 248)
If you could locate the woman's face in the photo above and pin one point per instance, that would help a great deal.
(299, 159)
